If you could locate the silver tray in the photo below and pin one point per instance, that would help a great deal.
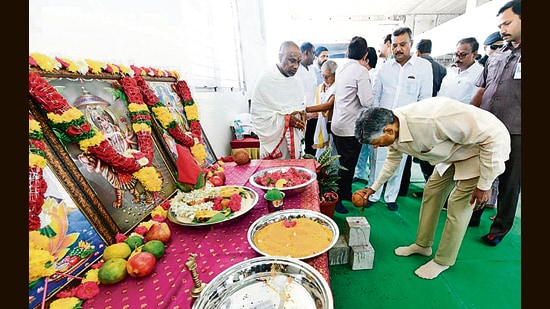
(289, 191)
(247, 204)
(267, 282)
(293, 214)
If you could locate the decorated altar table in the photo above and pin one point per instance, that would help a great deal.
(217, 247)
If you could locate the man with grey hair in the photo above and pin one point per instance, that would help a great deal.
(468, 147)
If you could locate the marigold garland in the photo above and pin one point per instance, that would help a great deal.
(71, 121)
(86, 66)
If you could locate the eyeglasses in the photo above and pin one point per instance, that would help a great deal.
(461, 55)
(495, 47)
(327, 76)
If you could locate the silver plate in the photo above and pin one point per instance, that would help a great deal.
(293, 214)
(247, 204)
(289, 191)
(267, 282)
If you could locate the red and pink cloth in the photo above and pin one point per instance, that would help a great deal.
(218, 247)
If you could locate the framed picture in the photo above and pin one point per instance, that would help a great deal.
(120, 195)
(76, 235)
(172, 100)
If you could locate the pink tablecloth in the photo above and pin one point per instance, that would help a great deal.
(217, 247)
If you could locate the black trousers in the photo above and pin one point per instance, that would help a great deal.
(348, 148)
(509, 188)
(310, 132)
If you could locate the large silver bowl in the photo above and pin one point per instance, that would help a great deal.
(267, 282)
(289, 191)
(293, 214)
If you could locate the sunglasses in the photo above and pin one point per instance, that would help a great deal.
(495, 47)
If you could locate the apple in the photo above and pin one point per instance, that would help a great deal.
(141, 264)
(220, 174)
(216, 181)
(158, 231)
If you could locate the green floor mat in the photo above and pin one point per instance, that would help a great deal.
(470, 283)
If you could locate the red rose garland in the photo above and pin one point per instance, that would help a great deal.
(163, 114)
(184, 92)
(72, 121)
(37, 184)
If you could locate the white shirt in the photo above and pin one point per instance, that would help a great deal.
(309, 82)
(460, 85)
(398, 85)
(353, 93)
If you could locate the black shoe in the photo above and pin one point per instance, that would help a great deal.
(418, 194)
(340, 208)
(392, 206)
(473, 222)
(369, 204)
(491, 240)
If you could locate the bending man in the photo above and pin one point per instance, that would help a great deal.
(468, 147)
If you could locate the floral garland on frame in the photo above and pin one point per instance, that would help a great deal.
(37, 163)
(72, 121)
(192, 113)
(169, 123)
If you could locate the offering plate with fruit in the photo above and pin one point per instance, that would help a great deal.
(211, 205)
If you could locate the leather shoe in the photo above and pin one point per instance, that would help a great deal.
(392, 206)
(340, 208)
(491, 240)
(369, 204)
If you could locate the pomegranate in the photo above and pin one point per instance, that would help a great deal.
(141, 264)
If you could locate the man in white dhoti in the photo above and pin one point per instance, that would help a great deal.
(278, 107)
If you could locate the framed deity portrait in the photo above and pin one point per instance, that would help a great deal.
(122, 196)
(172, 100)
(77, 234)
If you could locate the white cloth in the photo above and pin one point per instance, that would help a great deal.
(396, 85)
(353, 94)
(443, 130)
(274, 96)
(460, 86)
(309, 81)
(321, 138)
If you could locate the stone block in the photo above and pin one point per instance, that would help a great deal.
(362, 257)
(339, 253)
(357, 231)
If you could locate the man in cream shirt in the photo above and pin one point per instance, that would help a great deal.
(468, 147)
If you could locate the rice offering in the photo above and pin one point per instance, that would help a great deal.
(294, 238)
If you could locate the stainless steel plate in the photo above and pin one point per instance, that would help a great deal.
(247, 204)
(267, 282)
(293, 214)
(289, 191)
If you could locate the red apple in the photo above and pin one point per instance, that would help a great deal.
(158, 231)
(220, 174)
(141, 264)
(216, 181)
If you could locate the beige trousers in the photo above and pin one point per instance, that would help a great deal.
(459, 211)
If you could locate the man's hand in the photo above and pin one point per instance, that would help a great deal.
(297, 120)
(480, 198)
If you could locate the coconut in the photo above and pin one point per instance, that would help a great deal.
(240, 156)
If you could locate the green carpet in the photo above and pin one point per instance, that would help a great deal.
(391, 283)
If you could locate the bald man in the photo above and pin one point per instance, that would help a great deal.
(278, 107)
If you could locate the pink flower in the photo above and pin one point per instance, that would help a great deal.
(87, 290)
(120, 237)
(65, 293)
(158, 218)
(141, 230)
